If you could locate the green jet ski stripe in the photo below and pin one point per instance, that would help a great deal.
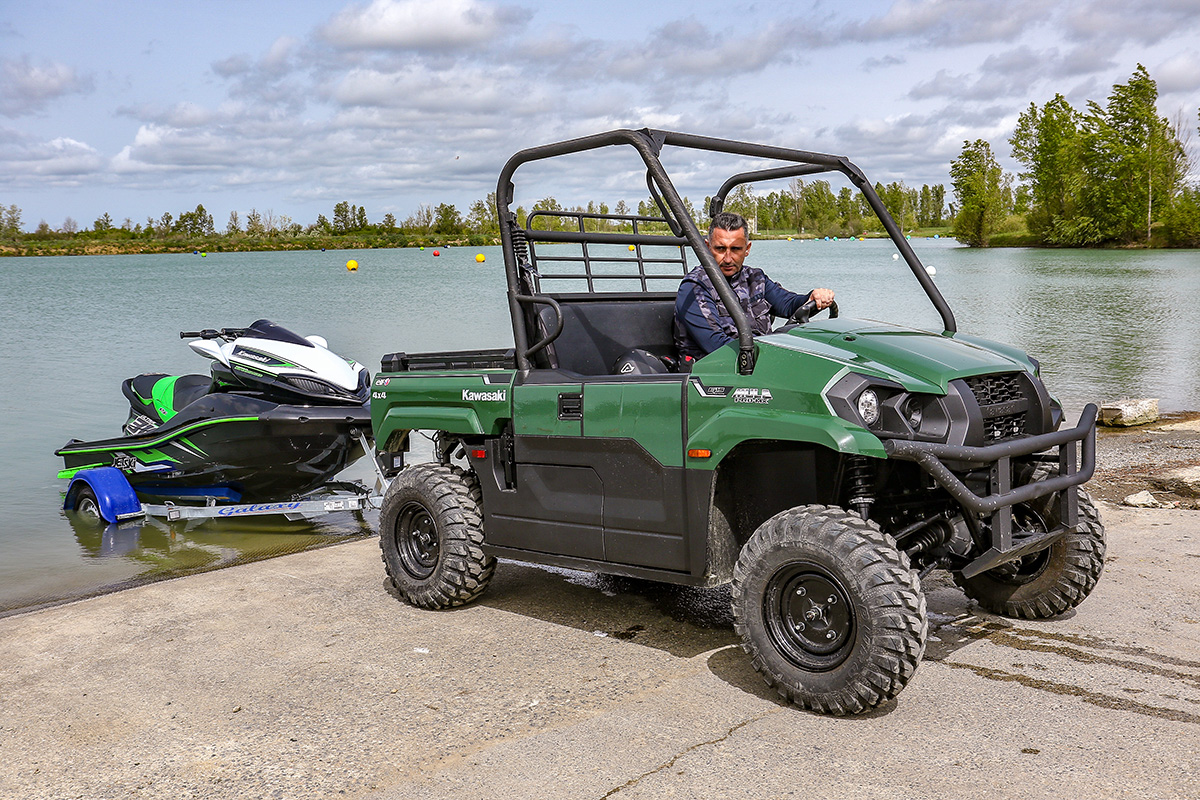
(164, 397)
(67, 474)
(143, 446)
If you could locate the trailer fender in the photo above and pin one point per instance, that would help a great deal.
(115, 498)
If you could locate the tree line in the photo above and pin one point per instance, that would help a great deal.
(801, 208)
(1108, 175)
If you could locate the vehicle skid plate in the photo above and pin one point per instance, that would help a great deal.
(998, 503)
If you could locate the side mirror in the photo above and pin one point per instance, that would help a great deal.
(319, 341)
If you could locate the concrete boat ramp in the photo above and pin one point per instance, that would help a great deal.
(301, 677)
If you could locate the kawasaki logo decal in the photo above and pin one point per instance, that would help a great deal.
(498, 396)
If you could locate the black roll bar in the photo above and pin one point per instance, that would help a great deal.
(649, 143)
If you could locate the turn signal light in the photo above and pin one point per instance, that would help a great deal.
(479, 454)
(699, 453)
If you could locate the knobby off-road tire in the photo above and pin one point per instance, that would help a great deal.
(431, 536)
(829, 610)
(1051, 581)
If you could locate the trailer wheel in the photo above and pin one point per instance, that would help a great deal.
(86, 504)
(1051, 581)
(829, 610)
(431, 536)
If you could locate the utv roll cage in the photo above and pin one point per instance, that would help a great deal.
(520, 261)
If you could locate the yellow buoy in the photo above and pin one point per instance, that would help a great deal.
(631, 247)
(352, 265)
(480, 258)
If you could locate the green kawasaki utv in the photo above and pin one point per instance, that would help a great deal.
(824, 468)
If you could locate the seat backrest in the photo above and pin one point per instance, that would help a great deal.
(596, 332)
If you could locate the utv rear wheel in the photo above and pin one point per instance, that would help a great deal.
(829, 610)
(1051, 581)
(431, 536)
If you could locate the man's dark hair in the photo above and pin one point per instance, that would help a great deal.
(729, 221)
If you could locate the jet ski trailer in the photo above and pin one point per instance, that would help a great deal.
(106, 494)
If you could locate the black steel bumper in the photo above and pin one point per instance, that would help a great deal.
(1006, 544)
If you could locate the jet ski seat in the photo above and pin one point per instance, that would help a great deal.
(159, 397)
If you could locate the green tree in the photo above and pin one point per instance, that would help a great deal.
(1049, 144)
(849, 215)
(254, 224)
(342, 219)
(234, 226)
(10, 221)
(931, 205)
(978, 184)
(820, 212)
(195, 223)
(447, 220)
(103, 223)
(1181, 220)
(1133, 158)
(481, 217)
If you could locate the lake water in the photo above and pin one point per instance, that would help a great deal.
(1104, 325)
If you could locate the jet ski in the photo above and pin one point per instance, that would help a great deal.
(278, 416)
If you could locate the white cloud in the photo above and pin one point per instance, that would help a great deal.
(421, 25)
(1180, 73)
(26, 87)
(1143, 21)
(950, 22)
(61, 161)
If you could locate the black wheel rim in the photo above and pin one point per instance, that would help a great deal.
(1027, 568)
(417, 541)
(809, 617)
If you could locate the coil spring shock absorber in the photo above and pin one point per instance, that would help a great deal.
(860, 480)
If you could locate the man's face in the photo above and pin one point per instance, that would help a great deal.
(729, 248)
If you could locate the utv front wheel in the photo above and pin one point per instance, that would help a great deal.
(829, 610)
(431, 536)
(1051, 581)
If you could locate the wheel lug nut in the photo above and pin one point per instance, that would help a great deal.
(802, 591)
(829, 635)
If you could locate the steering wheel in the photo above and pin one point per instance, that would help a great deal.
(804, 313)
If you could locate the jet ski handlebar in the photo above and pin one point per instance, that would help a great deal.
(228, 334)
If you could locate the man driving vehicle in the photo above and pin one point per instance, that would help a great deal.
(702, 323)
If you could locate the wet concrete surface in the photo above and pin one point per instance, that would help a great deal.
(302, 677)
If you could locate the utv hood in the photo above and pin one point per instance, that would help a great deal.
(920, 361)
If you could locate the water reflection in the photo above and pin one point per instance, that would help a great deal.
(156, 549)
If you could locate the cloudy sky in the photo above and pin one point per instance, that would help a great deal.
(136, 108)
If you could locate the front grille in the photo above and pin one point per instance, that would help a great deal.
(993, 389)
(1003, 403)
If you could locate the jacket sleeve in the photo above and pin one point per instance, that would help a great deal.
(783, 303)
(687, 311)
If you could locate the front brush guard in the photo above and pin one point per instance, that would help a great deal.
(1007, 545)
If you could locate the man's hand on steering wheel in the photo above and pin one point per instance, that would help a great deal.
(818, 299)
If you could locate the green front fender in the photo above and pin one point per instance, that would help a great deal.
(732, 426)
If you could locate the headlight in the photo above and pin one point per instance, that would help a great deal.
(913, 413)
(868, 406)
(891, 411)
